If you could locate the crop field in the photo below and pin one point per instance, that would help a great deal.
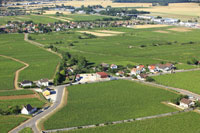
(16, 92)
(134, 46)
(7, 73)
(34, 18)
(109, 101)
(34, 102)
(9, 122)
(170, 124)
(185, 80)
(42, 64)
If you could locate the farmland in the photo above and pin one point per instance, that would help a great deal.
(185, 80)
(7, 73)
(171, 124)
(135, 46)
(42, 63)
(109, 101)
(16, 92)
(9, 122)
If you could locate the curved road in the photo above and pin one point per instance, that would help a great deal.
(32, 122)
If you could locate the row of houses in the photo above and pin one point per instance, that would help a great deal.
(39, 83)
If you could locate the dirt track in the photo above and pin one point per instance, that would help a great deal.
(18, 97)
(18, 71)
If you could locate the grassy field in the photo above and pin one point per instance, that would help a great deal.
(34, 18)
(185, 80)
(135, 46)
(7, 72)
(42, 63)
(26, 130)
(16, 92)
(9, 122)
(171, 124)
(109, 101)
(4, 104)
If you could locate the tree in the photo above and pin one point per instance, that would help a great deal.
(150, 79)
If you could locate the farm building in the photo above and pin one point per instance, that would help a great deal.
(186, 103)
(102, 75)
(28, 109)
(26, 83)
(152, 68)
(165, 67)
(43, 82)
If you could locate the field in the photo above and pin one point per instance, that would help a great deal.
(26, 130)
(16, 92)
(35, 18)
(134, 46)
(42, 63)
(7, 73)
(185, 80)
(171, 124)
(9, 122)
(183, 11)
(109, 101)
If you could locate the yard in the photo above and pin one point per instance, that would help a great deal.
(184, 80)
(42, 64)
(180, 123)
(109, 101)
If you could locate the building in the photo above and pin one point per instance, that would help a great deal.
(102, 75)
(28, 109)
(142, 76)
(120, 73)
(165, 67)
(186, 103)
(113, 66)
(26, 83)
(135, 71)
(152, 68)
(43, 82)
(46, 92)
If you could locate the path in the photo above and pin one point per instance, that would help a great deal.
(118, 122)
(32, 122)
(18, 71)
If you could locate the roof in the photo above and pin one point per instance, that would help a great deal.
(186, 101)
(28, 107)
(102, 73)
(113, 65)
(44, 80)
(104, 65)
(26, 82)
(152, 67)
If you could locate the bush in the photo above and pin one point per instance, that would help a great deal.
(150, 79)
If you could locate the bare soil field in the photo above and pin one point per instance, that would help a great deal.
(149, 26)
(180, 29)
(162, 31)
(97, 34)
(18, 97)
(54, 12)
(108, 31)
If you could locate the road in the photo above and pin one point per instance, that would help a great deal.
(32, 122)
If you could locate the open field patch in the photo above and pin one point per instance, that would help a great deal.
(185, 80)
(170, 124)
(180, 29)
(109, 31)
(18, 97)
(16, 92)
(96, 33)
(109, 101)
(149, 26)
(162, 31)
(9, 122)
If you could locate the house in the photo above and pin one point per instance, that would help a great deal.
(102, 75)
(165, 67)
(113, 66)
(135, 71)
(120, 73)
(186, 103)
(28, 109)
(152, 68)
(26, 83)
(141, 68)
(46, 92)
(142, 76)
(43, 82)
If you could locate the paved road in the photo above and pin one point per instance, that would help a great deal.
(32, 122)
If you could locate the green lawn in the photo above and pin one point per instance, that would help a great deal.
(185, 80)
(34, 102)
(42, 63)
(26, 130)
(16, 92)
(173, 46)
(109, 101)
(7, 72)
(9, 122)
(179, 123)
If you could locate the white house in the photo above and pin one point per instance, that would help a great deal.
(186, 103)
(152, 68)
(113, 66)
(135, 71)
(43, 82)
(165, 67)
(26, 83)
(28, 109)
